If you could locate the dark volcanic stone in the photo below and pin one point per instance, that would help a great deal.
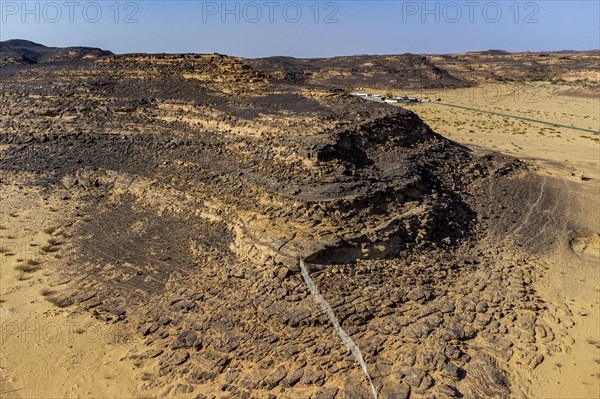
(327, 393)
(393, 390)
(185, 340)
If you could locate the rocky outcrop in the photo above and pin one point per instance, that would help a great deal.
(191, 185)
(312, 172)
(382, 72)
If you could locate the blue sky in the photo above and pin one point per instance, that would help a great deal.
(305, 28)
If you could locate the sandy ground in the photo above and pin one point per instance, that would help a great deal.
(46, 351)
(572, 277)
(557, 148)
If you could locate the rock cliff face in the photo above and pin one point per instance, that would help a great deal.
(308, 171)
(192, 184)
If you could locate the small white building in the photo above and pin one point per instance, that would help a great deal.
(369, 96)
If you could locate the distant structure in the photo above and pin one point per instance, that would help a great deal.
(407, 100)
(376, 97)
(369, 96)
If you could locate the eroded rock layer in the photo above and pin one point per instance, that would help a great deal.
(193, 184)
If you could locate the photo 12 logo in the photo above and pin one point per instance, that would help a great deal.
(470, 11)
(270, 11)
(69, 11)
(49, 332)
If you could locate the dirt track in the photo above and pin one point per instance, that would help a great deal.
(520, 117)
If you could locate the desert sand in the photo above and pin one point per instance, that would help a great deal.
(48, 352)
(570, 155)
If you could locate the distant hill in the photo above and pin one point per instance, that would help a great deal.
(560, 67)
(369, 71)
(489, 52)
(379, 72)
(26, 52)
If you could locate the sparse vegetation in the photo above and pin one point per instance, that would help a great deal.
(594, 343)
(49, 248)
(50, 230)
(28, 267)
